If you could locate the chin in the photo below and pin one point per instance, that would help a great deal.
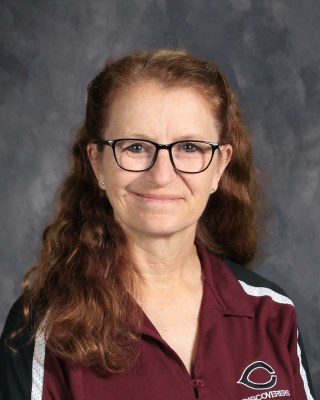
(162, 229)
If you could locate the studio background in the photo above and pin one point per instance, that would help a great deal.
(269, 50)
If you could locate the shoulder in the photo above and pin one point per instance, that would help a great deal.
(15, 318)
(239, 287)
(256, 285)
(269, 299)
(16, 366)
(251, 277)
(16, 321)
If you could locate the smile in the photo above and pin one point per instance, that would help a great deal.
(156, 197)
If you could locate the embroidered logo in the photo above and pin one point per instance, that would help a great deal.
(254, 368)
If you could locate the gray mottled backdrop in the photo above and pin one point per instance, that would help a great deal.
(269, 49)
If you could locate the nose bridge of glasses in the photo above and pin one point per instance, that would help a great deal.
(164, 146)
(167, 147)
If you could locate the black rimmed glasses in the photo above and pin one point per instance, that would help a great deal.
(137, 155)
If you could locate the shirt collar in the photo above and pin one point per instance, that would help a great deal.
(222, 292)
(231, 298)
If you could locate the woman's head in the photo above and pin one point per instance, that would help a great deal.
(164, 160)
(172, 70)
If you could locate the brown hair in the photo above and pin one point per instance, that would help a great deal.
(80, 288)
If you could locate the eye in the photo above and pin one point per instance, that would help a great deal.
(135, 148)
(189, 147)
(192, 149)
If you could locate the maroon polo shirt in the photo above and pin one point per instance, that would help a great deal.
(248, 348)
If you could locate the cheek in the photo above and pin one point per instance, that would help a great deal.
(202, 183)
(112, 175)
(114, 186)
(199, 191)
(108, 166)
(118, 183)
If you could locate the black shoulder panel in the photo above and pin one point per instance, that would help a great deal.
(16, 368)
(252, 278)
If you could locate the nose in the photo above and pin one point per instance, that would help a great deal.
(162, 171)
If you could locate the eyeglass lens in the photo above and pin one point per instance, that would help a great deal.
(139, 155)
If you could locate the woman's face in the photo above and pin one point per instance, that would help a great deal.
(160, 201)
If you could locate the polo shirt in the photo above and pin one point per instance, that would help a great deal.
(249, 348)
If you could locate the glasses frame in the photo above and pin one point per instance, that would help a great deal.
(112, 143)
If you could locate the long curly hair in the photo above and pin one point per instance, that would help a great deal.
(80, 290)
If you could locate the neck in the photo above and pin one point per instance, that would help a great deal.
(165, 261)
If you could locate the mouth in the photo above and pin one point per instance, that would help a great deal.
(156, 197)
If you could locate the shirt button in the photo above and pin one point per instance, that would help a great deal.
(199, 383)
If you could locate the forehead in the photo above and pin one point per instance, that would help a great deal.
(152, 108)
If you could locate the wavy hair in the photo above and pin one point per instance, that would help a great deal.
(80, 290)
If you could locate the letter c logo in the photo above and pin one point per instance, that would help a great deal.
(245, 377)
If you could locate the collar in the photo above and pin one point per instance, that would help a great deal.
(231, 298)
(222, 292)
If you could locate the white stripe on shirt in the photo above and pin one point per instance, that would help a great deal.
(38, 366)
(279, 298)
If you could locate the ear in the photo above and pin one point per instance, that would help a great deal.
(95, 160)
(225, 154)
(225, 157)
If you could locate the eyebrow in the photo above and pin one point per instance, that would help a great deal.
(183, 138)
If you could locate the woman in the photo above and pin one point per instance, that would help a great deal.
(135, 295)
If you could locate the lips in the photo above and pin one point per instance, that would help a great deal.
(157, 197)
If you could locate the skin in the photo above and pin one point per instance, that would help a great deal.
(158, 209)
